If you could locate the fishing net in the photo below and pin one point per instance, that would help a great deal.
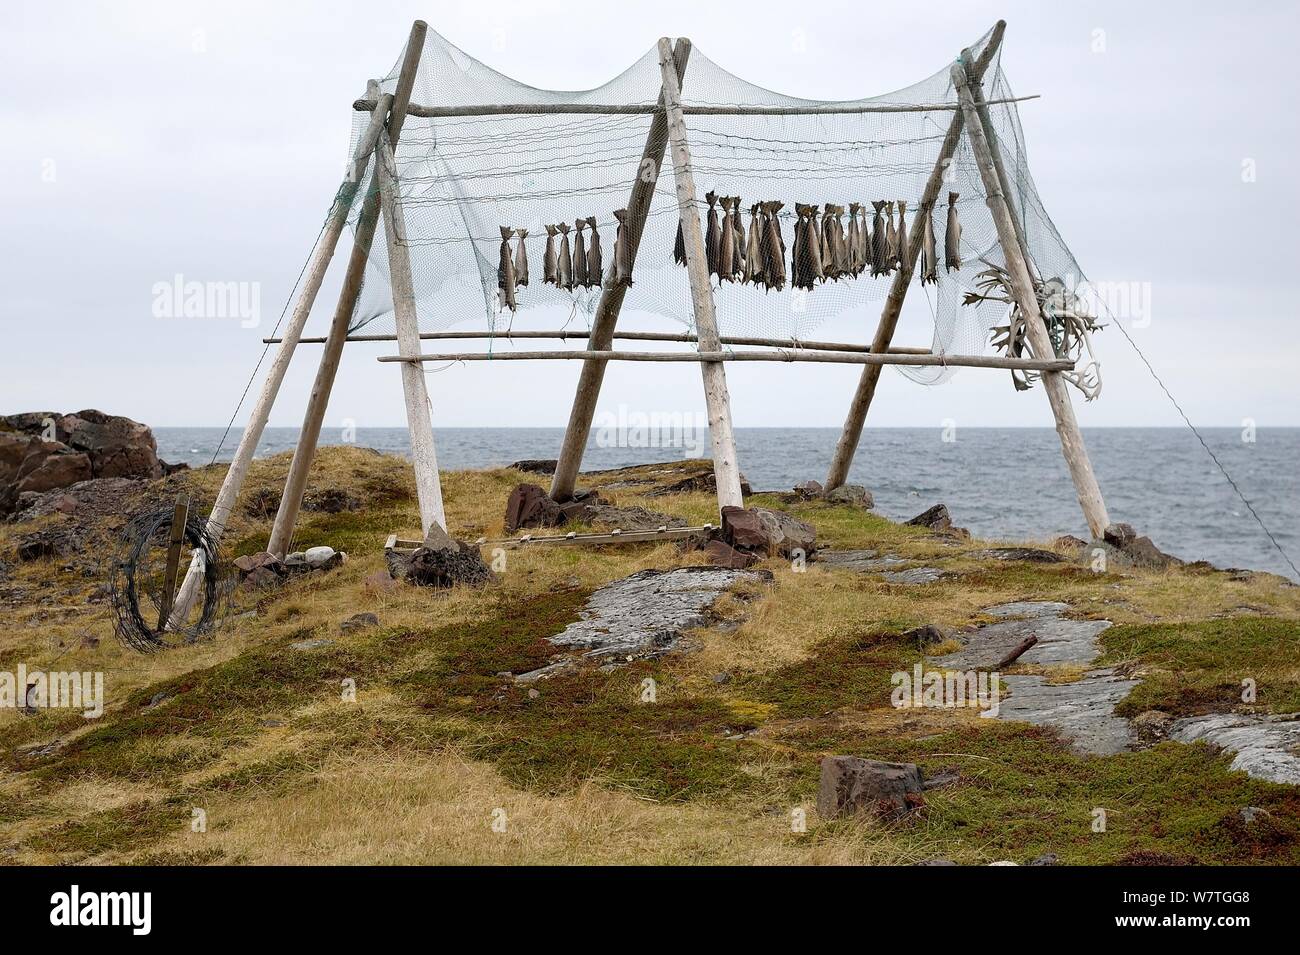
(463, 178)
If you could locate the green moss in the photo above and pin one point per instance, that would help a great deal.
(840, 672)
(126, 826)
(1195, 668)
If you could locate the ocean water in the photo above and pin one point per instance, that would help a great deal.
(999, 482)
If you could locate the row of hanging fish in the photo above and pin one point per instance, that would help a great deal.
(824, 250)
(565, 265)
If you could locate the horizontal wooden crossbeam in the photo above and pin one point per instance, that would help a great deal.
(614, 109)
(786, 355)
(630, 336)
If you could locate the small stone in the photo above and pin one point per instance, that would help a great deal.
(532, 693)
(723, 677)
(89, 641)
(1047, 858)
(935, 518)
(322, 558)
(854, 495)
(925, 636)
(314, 644)
(1151, 726)
(1250, 813)
(885, 790)
(1004, 862)
(157, 698)
(359, 621)
(808, 489)
(722, 554)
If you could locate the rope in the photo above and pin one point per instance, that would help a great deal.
(1213, 457)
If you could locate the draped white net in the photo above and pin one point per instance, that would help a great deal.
(463, 177)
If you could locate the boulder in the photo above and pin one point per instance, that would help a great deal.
(743, 529)
(808, 490)
(48, 542)
(925, 636)
(359, 621)
(535, 465)
(936, 518)
(441, 561)
(323, 558)
(851, 785)
(722, 554)
(854, 495)
(1118, 535)
(1069, 542)
(530, 506)
(787, 534)
(260, 570)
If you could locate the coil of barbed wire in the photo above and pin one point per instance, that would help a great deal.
(143, 591)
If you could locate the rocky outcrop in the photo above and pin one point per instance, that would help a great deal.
(530, 506)
(43, 451)
(440, 562)
(850, 785)
(757, 530)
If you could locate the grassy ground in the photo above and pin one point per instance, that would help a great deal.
(439, 759)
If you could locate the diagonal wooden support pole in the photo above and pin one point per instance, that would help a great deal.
(857, 416)
(1067, 427)
(611, 298)
(261, 411)
(286, 518)
(726, 468)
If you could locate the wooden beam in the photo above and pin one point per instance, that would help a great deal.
(424, 456)
(851, 434)
(721, 357)
(286, 517)
(726, 469)
(1067, 427)
(576, 434)
(251, 436)
(627, 336)
(637, 109)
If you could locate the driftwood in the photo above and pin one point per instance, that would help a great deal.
(1015, 652)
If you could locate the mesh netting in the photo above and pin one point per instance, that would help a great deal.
(462, 178)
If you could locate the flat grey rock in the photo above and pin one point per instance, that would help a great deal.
(864, 561)
(1266, 747)
(915, 576)
(645, 614)
(1083, 711)
(1060, 640)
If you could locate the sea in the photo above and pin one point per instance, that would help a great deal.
(1000, 483)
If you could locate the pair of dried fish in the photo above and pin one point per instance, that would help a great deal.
(512, 268)
(724, 239)
(580, 267)
(951, 244)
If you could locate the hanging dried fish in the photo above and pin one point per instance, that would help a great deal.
(506, 271)
(754, 247)
(550, 270)
(521, 260)
(738, 233)
(837, 261)
(952, 236)
(891, 233)
(904, 250)
(929, 251)
(727, 244)
(806, 266)
(774, 248)
(564, 261)
(879, 241)
(864, 242)
(855, 253)
(594, 264)
(580, 255)
(712, 236)
(679, 246)
(622, 254)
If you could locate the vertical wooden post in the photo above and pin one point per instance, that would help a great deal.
(261, 411)
(847, 445)
(726, 469)
(295, 484)
(1067, 427)
(177, 538)
(428, 486)
(611, 298)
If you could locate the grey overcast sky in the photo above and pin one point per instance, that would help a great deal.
(142, 140)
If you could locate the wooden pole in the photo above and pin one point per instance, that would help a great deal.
(847, 445)
(424, 456)
(1067, 428)
(632, 109)
(295, 484)
(565, 335)
(176, 539)
(261, 411)
(721, 357)
(585, 397)
(726, 469)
